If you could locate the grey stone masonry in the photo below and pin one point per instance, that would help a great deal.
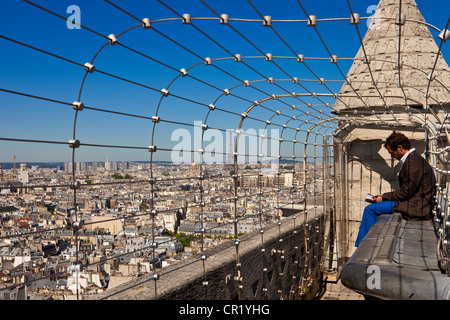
(276, 266)
(381, 43)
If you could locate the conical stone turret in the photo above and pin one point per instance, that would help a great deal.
(380, 77)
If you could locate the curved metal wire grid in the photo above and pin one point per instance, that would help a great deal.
(278, 123)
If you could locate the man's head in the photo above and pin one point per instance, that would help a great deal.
(397, 144)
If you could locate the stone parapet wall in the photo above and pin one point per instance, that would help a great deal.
(273, 267)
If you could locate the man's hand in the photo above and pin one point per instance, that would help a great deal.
(378, 198)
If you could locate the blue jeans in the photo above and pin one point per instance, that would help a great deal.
(370, 216)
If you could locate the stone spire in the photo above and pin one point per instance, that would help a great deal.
(418, 55)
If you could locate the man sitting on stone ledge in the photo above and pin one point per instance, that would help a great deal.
(414, 199)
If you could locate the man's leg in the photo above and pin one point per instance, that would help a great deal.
(370, 216)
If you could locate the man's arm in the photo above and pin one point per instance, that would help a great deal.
(412, 178)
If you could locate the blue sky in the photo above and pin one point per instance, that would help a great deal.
(28, 71)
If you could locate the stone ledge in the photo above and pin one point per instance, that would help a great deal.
(271, 273)
(404, 252)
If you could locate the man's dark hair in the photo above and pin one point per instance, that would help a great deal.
(397, 139)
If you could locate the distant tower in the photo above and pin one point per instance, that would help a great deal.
(68, 167)
(14, 170)
(1, 173)
(230, 149)
(229, 163)
(107, 165)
